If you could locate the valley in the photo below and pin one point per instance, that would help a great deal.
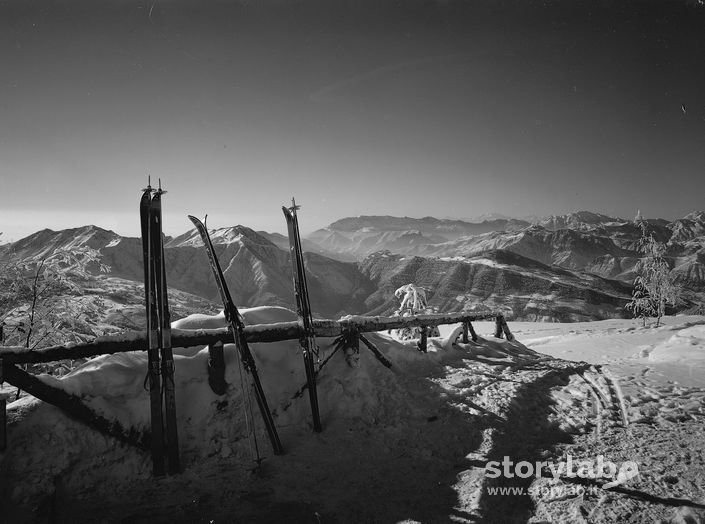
(562, 268)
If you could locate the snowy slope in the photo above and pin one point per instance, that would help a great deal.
(48, 449)
(402, 444)
(674, 351)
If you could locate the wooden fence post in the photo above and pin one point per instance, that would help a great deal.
(467, 327)
(473, 335)
(422, 344)
(351, 349)
(498, 327)
(377, 353)
(3, 415)
(505, 328)
(216, 368)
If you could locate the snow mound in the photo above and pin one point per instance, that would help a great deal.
(353, 389)
(686, 346)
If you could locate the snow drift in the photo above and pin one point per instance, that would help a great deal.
(47, 448)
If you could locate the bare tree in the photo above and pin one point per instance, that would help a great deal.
(654, 285)
(41, 300)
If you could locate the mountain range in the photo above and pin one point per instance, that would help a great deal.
(583, 241)
(578, 266)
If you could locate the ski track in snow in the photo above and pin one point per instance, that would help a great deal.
(403, 444)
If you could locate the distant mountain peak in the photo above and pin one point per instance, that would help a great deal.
(223, 236)
(394, 223)
(47, 240)
(696, 216)
(588, 216)
(361, 236)
(579, 220)
(488, 217)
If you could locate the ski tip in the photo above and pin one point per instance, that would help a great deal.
(197, 221)
(294, 207)
(149, 188)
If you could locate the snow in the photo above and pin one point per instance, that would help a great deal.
(675, 350)
(224, 235)
(476, 260)
(490, 263)
(430, 412)
(686, 346)
(113, 385)
(200, 321)
(122, 376)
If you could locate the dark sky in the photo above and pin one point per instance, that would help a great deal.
(450, 109)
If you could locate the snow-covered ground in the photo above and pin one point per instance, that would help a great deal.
(675, 351)
(406, 444)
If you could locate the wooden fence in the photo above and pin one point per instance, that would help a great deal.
(11, 356)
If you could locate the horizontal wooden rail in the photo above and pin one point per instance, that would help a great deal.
(137, 340)
(350, 326)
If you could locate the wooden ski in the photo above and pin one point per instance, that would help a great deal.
(167, 354)
(237, 326)
(303, 306)
(153, 370)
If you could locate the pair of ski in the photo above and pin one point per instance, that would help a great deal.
(160, 357)
(303, 306)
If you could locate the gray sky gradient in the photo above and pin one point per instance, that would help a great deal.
(450, 109)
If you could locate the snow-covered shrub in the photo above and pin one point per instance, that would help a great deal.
(42, 302)
(654, 285)
(413, 302)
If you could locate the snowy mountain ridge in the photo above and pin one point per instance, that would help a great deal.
(44, 242)
(579, 220)
(583, 241)
(496, 281)
(358, 237)
(579, 272)
(257, 271)
(222, 235)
